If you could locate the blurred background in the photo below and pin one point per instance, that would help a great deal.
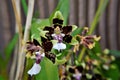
(81, 13)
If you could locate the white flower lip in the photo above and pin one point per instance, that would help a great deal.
(59, 46)
(43, 54)
(35, 69)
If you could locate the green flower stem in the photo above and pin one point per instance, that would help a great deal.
(81, 54)
(101, 8)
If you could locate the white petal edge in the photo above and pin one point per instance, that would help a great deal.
(43, 54)
(35, 69)
(59, 46)
(37, 52)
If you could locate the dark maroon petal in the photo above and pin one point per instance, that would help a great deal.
(97, 77)
(86, 41)
(43, 39)
(33, 46)
(57, 21)
(38, 61)
(89, 37)
(71, 70)
(57, 25)
(36, 43)
(67, 38)
(50, 56)
(29, 42)
(50, 29)
(84, 77)
(67, 29)
(47, 46)
(79, 68)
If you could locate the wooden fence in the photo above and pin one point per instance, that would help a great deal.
(81, 13)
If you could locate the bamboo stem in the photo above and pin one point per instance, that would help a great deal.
(20, 68)
(16, 7)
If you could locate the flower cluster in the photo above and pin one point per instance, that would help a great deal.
(56, 38)
(38, 52)
(79, 72)
(86, 40)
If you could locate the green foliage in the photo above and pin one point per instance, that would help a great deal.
(63, 7)
(10, 47)
(24, 5)
(36, 28)
(5, 60)
(36, 32)
(97, 49)
(1, 78)
(101, 8)
(115, 53)
(48, 71)
(113, 73)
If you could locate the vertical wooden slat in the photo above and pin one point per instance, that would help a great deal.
(41, 8)
(72, 18)
(102, 30)
(118, 26)
(91, 11)
(6, 34)
(51, 6)
(113, 24)
(82, 12)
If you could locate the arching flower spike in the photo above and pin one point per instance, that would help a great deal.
(87, 40)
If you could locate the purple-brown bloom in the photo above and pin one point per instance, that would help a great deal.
(87, 40)
(33, 46)
(59, 33)
(39, 51)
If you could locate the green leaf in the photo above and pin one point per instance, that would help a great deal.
(112, 73)
(40, 23)
(74, 41)
(29, 63)
(10, 46)
(63, 7)
(1, 78)
(101, 8)
(115, 53)
(76, 31)
(74, 27)
(93, 55)
(48, 71)
(61, 61)
(42, 33)
(117, 62)
(36, 28)
(58, 15)
(97, 49)
(24, 5)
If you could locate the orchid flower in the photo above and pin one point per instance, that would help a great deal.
(59, 33)
(76, 71)
(86, 40)
(40, 52)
